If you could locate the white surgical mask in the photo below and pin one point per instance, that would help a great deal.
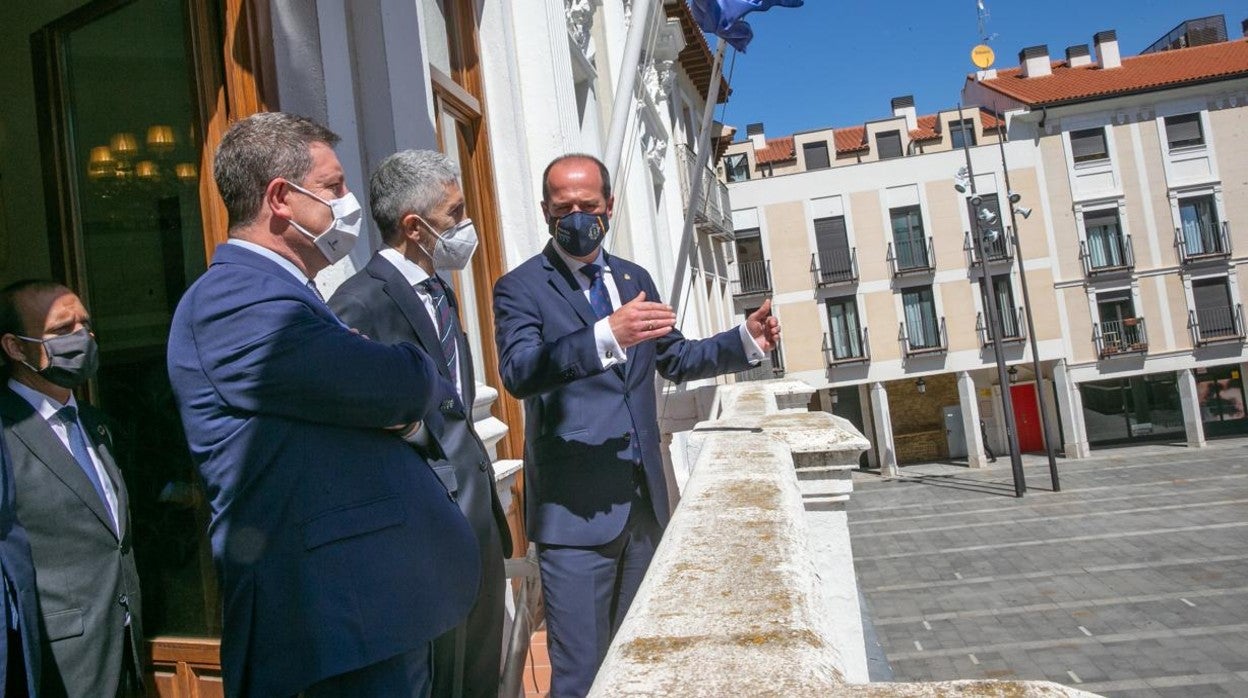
(336, 241)
(454, 247)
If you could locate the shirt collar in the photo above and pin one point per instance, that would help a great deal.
(575, 265)
(272, 256)
(44, 405)
(410, 270)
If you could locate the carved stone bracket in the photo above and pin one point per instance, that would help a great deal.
(659, 72)
(580, 22)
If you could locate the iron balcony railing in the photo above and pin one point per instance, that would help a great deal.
(999, 250)
(911, 257)
(851, 354)
(1209, 243)
(714, 210)
(1217, 324)
(753, 277)
(928, 337)
(1012, 328)
(1120, 257)
(839, 266)
(1117, 337)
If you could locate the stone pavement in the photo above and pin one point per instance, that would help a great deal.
(1131, 581)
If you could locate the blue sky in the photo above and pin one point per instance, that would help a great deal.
(838, 63)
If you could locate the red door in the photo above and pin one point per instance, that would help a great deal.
(1027, 417)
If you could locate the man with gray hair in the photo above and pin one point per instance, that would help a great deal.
(340, 555)
(398, 297)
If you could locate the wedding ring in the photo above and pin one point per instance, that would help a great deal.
(649, 326)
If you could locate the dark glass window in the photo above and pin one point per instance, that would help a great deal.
(888, 145)
(1184, 130)
(737, 167)
(1088, 145)
(816, 155)
(962, 133)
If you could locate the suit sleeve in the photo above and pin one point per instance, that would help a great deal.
(278, 357)
(529, 363)
(680, 359)
(351, 309)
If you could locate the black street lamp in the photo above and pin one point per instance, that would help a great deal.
(994, 319)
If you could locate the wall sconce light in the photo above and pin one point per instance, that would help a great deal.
(160, 139)
(146, 169)
(100, 162)
(921, 385)
(1013, 372)
(123, 144)
(186, 171)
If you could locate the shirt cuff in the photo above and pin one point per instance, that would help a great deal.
(610, 352)
(753, 353)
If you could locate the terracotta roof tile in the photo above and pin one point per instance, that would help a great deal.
(1138, 73)
(851, 139)
(927, 129)
(777, 150)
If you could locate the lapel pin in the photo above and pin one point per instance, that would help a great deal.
(100, 430)
(627, 277)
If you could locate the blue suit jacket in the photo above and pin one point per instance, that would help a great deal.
(336, 544)
(580, 420)
(18, 569)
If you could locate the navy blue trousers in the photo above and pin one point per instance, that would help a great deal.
(402, 676)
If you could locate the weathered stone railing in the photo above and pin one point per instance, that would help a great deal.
(752, 590)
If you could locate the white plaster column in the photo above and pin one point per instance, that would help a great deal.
(1190, 400)
(969, 401)
(1071, 403)
(882, 421)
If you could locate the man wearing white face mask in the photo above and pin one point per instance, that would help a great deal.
(399, 297)
(340, 554)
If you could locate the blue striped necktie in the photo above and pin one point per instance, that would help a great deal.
(448, 326)
(599, 300)
(78, 447)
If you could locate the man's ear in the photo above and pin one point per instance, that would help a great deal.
(275, 198)
(12, 348)
(412, 228)
(610, 205)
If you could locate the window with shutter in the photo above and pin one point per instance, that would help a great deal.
(816, 155)
(888, 145)
(962, 133)
(1089, 145)
(1184, 131)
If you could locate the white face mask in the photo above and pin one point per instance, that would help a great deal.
(454, 247)
(336, 241)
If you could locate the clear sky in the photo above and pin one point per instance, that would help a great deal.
(838, 63)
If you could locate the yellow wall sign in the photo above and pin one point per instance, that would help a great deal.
(982, 56)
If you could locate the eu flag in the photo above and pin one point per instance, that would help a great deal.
(724, 17)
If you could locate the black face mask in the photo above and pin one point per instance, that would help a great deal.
(72, 358)
(579, 233)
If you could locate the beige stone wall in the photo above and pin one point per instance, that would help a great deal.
(918, 420)
(957, 303)
(871, 236)
(1163, 222)
(1082, 347)
(1043, 305)
(1230, 139)
(944, 223)
(1150, 310)
(1137, 222)
(1177, 297)
(1060, 205)
(803, 336)
(788, 246)
(1031, 231)
(879, 314)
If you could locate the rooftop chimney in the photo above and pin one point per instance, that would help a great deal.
(904, 106)
(755, 133)
(1107, 55)
(1078, 55)
(1244, 25)
(1034, 61)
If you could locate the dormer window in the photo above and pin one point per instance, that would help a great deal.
(962, 133)
(888, 144)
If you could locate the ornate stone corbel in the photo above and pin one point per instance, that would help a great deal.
(580, 21)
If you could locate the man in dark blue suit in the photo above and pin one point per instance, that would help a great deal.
(341, 555)
(581, 334)
(19, 608)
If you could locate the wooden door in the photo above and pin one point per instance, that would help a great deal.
(1027, 417)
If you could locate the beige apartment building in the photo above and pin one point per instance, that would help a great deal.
(1130, 175)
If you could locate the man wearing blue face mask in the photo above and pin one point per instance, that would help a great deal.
(399, 297)
(341, 555)
(581, 334)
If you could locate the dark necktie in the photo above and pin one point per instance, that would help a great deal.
(448, 325)
(78, 447)
(315, 290)
(598, 298)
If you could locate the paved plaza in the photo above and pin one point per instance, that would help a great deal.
(1131, 581)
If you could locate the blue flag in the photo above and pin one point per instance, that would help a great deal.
(723, 18)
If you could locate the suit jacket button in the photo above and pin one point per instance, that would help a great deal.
(448, 405)
(483, 465)
(123, 600)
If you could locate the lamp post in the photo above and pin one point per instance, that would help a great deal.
(994, 320)
(1031, 333)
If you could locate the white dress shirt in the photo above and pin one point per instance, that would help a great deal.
(416, 276)
(46, 408)
(610, 352)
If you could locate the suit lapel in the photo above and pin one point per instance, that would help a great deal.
(560, 277)
(404, 297)
(97, 433)
(627, 286)
(37, 435)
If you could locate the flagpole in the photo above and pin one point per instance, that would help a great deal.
(622, 107)
(696, 177)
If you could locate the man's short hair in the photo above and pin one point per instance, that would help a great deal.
(602, 169)
(410, 181)
(11, 321)
(259, 149)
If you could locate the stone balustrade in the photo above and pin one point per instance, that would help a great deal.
(752, 590)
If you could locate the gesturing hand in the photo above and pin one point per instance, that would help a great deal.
(639, 320)
(764, 328)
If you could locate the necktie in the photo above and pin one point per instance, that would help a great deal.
(78, 447)
(316, 291)
(598, 298)
(448, 326)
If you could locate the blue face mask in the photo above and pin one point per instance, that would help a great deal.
(579, 233)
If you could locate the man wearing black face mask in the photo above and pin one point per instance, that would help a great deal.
(399, 297)
(581, 334)
(70, 497)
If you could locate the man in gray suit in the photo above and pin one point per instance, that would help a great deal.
(70, 496)
(398, 297)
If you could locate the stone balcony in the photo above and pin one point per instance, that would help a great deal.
(752, 590)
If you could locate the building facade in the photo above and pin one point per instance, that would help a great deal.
(112, 110)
